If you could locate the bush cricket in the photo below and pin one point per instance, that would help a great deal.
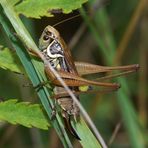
(56, 52)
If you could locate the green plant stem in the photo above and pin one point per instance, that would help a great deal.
(36, 74)
(33, 68)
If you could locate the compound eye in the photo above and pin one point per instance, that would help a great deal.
(46, 37)
(48, 33)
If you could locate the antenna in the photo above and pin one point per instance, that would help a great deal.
(96, 6)
(68, 19)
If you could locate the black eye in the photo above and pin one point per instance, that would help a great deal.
(45, 37)
(49, 33)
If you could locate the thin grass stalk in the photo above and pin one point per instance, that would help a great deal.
(15, 21)
(123, 94)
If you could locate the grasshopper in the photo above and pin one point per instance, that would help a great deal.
(56, 52)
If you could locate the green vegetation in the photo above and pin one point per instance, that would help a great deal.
(108, 34)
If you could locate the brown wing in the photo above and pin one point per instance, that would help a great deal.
(68, 57)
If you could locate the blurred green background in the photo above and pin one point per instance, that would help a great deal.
(109, 33)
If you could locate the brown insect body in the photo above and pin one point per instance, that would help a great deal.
(69, 109)
(58, 56)
(57, 53)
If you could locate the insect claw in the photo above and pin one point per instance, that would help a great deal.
(137, 66)
(53, 113)
(118, 85)
(38, 86)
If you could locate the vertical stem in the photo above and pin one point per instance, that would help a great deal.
(142, 99)
(32, 68)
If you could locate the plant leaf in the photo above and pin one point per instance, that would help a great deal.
(32, 69)
(38, 8)
(57, 123)
(9, 60)
(23, 113)
(83, 132)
